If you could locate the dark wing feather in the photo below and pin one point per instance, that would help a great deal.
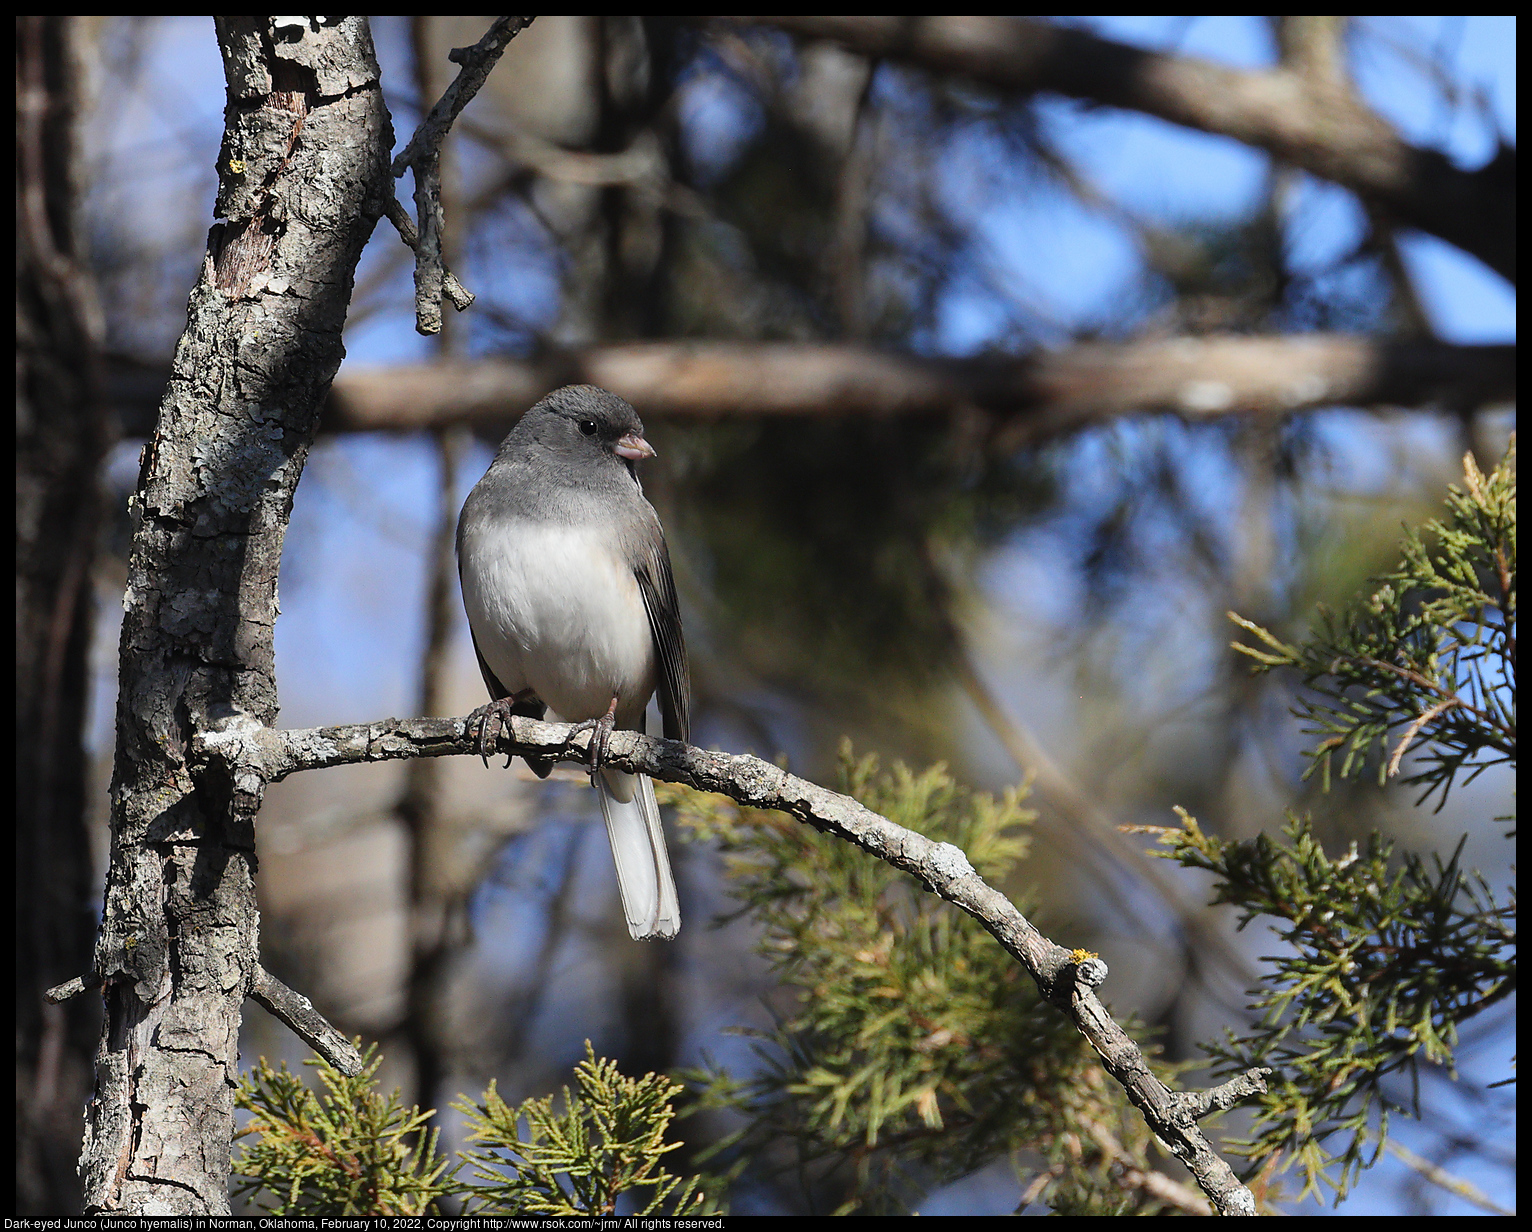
(496, 689)
(532, 706)
(673, 686)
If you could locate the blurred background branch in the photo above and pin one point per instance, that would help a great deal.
(1306, 113)
(1034, 398)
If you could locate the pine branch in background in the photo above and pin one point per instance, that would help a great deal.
(917, 1051)
(1385, 957)
(608, 1141)
(350, 1152)
(1429, 659)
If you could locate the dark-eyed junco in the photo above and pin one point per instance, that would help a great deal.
(567, 584)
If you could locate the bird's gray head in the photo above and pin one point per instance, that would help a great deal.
(581, 421)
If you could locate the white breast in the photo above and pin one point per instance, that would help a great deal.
(553, 608)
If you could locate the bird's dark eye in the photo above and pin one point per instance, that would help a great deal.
(588, 426)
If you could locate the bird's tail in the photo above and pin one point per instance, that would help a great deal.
(638, 848)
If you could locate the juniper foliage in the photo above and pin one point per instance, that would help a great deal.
(1385, 956)
(350, 1151)
(1428, 660)
(1385, 959)
(609, 1141)
(355, 1152)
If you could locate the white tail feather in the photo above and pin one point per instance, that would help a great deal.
(638, 849)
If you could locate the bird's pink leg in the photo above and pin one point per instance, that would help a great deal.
(601, 730)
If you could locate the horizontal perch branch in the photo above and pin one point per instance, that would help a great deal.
(1066, 979)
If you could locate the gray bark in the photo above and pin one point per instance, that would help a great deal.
(303, 178)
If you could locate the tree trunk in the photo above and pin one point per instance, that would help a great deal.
(303, 178)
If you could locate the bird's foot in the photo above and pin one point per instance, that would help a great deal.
(493, 719)
(601, 733)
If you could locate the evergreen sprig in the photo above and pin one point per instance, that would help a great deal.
(1386, 956)
(354, 1152)
(917, 1050)
(1385, 960)
(348, 1152)
(1428, 660)
(609, 1141)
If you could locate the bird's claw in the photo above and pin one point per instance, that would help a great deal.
(601, 734)
(490, 721)
(493, 720)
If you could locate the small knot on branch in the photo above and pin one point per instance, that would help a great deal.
(1087, 969)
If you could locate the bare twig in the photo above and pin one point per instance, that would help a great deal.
(298, 1012)
(461, 297)
(476, 62)
(1413, 730)
(1223, 1097)
(423, 154)
(1501, 728)
(1439, 1176)
(1064, 978)
(72, 988)
(292, 1008)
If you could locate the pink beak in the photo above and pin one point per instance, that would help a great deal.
(633, 447)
